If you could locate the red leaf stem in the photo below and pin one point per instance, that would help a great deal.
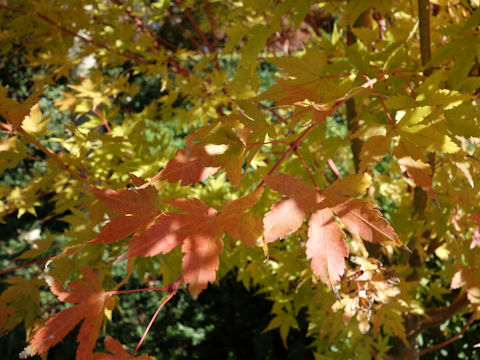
(172, 289)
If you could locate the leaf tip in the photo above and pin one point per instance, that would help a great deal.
(27, 352)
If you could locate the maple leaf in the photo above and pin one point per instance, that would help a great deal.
(199, 228)
(139, 209)
(363, 219)
(326, 245)
(476, 234)
(13, 111)
(286, 216)
(92, 301)
(373, 150)
(218, 145)
(5, 312)
(190, 165)
(419, 172)
(465, 276)
(416, 168)
(118, 352)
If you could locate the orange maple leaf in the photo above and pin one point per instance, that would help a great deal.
(286, 216)
(200, 228)
(326, 245)
(92, 301)
(118, 352)
(363, 219)
(417, 169)
(190, 165)
(139, 208)
(469, 278)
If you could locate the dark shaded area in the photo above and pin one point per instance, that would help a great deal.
(226, 322)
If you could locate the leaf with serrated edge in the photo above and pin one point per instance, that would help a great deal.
(467, 277)
(142, 204)
(189, 166)
(363, 219)
(285, 217)
(245, 227)
(290, 186)
(200, 262)
(120, 227)
(91, 299)
(164, 236)
(118, 352)
(326, 247)
(352, 185)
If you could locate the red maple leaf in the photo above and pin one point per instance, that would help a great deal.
(92, 301)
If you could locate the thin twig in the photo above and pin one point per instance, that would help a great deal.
(269, 142)
(181, 27)
(211, 19)
(149, 34)
(39, 261)
(452, 339)
(172, 289)
(306, 168)
(334, 169)
(293, 145)
(198, 30)
(53, 155)
(119, 292)
(105, 122)
(369, 84)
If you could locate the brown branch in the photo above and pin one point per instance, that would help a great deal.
(208, 10)
(352, 125)
(452, 339)
(181, 27)
(441, 314)
(198, 30)
(424, 29)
